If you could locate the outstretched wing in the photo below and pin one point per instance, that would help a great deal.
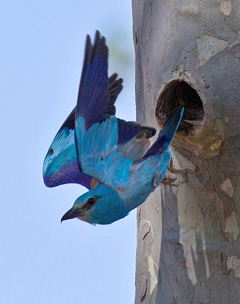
(60, 164)
(93, 97)
(97, 152)
(96, 136)
(114, 87)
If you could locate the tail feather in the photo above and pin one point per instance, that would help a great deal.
(166, 135)
(171, 125)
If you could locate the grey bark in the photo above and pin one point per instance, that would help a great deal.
(188, 245)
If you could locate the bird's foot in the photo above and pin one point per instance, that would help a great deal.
(168, 181)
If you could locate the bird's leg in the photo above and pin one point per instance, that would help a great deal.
(171, 169)
(169, 181)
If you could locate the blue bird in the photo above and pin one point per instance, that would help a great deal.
(98, 94)
(124, 179)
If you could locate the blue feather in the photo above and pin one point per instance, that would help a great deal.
(93, 94)
(166, 135)
(97, 153)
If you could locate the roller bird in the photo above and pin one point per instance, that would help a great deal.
(124, 173)
(109, 156)
(124, 178)
(97, 93)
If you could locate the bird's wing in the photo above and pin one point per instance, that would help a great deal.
(92, 105)
(97, 152)
(56, 170)
(93, 94)
(114, 87)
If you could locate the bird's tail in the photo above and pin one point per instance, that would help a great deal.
(166, 135)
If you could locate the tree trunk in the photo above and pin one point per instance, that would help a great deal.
(188, 54)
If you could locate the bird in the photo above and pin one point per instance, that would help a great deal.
(123, 180)
(60, 165)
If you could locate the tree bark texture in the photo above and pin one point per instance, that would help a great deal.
(188, 54)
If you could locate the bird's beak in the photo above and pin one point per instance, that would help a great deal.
(71, 213)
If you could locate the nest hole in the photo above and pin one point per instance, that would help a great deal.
(178, 93)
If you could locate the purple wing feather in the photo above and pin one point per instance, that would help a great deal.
(93, 97)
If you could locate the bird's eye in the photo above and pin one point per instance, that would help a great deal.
(92, 201)
(50, 151)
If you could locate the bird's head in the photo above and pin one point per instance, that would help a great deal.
(101, 205)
